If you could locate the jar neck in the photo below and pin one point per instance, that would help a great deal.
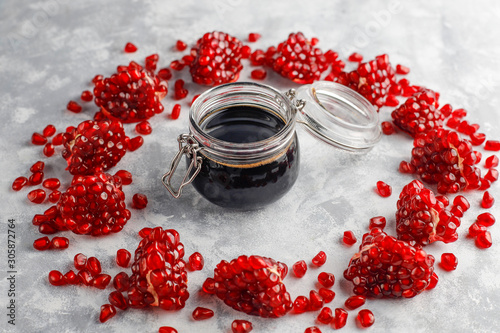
(237, 94)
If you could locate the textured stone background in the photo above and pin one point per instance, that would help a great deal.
(49, 51)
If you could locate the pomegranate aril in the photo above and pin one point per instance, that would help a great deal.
(36, 178)
(93, 265)
(125, 176)
(301, 304)
(491, 162)
(492, 145)
(49, 130)
(349, 238)
(167, 329)
(492, 175)
(176, 111)
(383, 189)
(477, 138)
(485, 219)
(241, 326)
(19, 183)
(121, 282)
(327, 280)
(315, 300)
(475, 229)
(340, 318)
(196, 261)
(365, 318)
(41, 244)
(58, 139)
(180, 45)
(139, 201)
(177, 65)
(327, 294)
(405, 167)
(258, 74)
(164, 74)
(299, 268)
(87, 96)
(433, 281)
(38, 166)
(123, 258)
(144, 128)
(54, 196)
(130, 48)
(37, 196)
(355, 302)
(325, 316)
(483, 239)
(144, 232)
(462, 202)
(74, 107)
(108, 311)
(392, 101)
(38, 139)
(402, 70)
(448, 262)
(387, 128)
(355, 57)
(48, 150)
(56, 278)
(80, 261)
(319, 259)
(117, 299)
(51, 183)
(488, 200)
(201, 313)
(135, 143)
(312, 329)
(377, 222)
(72, 278)
(101, 281)
(59, 243)
(253, 37)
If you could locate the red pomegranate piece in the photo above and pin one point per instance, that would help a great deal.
(326, 294)
(74, 107)
(448, 262)
(297, 60)
(253, 285)
(51, 183)
(355, 57)
(80, 261)
(491, 162)
(180, 45)
(101, 281)
(493, 145)
(383, 189)
(48, 150)
(253, 37)
(387, 128)
(179, 91)
(475, 228)
(164, 74)
(86, 96)
(365, 318)
(93, 205)
(301, 304)
(117, 299)
(312, 329)
(340, 318)
(38, 139)
(131, 95)
(139, 201)
(86, 277)
(325, 316)
(159, 277)
(488, 200)
(135, 143)
(241, 326)
(36, 178)
(130, 48)
(486, 219)
(355, 302)
(94, 146)
(391, 101)
(315, 300)
(377, 222)
(387, 267)
(49, 130)
(59, 243)
(299, 268)
(57, 279)
(462, 202)
(402, 70)
(349, 238)
(421, 219)
(442, 157)
(19, 183)
(258, 74)
(123, 258)
(419, 113)
(217, 59)
(36, 196)
(108, 311)
(121, 282)
(176, 111)
(167, 329)
(41, 244)
(125, 176)
(38, 166)
(201, 313)
(72, 278)
(93, 265)
(327, 280)
(144, 128)
(319, 259)
(483, 239)
(57, 140)
(196, 261)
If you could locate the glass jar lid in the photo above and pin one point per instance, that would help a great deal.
(339, 116)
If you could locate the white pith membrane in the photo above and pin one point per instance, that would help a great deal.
(151, 289)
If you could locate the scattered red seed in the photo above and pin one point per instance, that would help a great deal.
(49, 130)
(72, 278)
(314, 41)
(377, 222)
(475, 229)
(58, 139)
(117, 299)
(164, 74)
(433, 281)
(483, 239)
(241, 326)
(491, 162)
(48, 150)
(448, 262)
(101, 281)
(51, 183)
(319, 259)
(327, 294)
(108, 311)
(80, 261)
(355, 302)
(123, 258)
(196, 261)
(312, 329)
(491, 175)
(180, 45)
(488, 200)
(387, 128)
(41, 244)
(176, 111)
(144, 128)
(365, 318)
(493, 145)
(97, 78)
(130, 48)
(325, 316)
(202, 313)
(315, 300)
(391, 101)
(327, 280)
(59, 243)
(85, 277)
(74, 107)
(301, 304)
(135, 143)
(36, 178)
(258, 74)
(402, 70)
(167, 329)
(125, 176)
(54, 196)
(139, 201)
(121, 282)
(253, 37)
(37, 196)
(349, 238)
(93, 265)
(19, 183)
(56, 278)
(86, 96)
(383, 189)
(340, 318)
(486, 219)
(355, 57)
(476, 139)
(462, 202)
(38, 139)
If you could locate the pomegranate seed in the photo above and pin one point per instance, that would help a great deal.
(299, 268)
(51, 183)
(355, 57)
(36, 196)
(387, 128)
(139, 201)
(314, 41)
(196, 261)
(340, 318)
(402, 70)
(391, 100)
(349, 238)
(486, 219)
(108, 311)
(167, 329)
(59, 243)
(301, 304)
(72, 278)
(476, 139)
(58, 139)
(253, 37)
(123, 258)
(327, 280)
(491, 162)
(475, 229)
(326, 294)
(483, 239)
(180, 45)
(41, 244)
(325, 316)
(56, 278)
(117, 299)
(446, 110)
(355, 302)
(405, 167)
(365, 318)
(492, 175)
(38, 139)
(202, 313)
(319, 259)
(488, 200)
(312, 329)
(443, 199)
(448, 261)
(164, 74)
(74, 107)
(93, 266)
(241, 326)
(19, 183)
(97, 78)
(135, 143)
(125, 176)
(36, 178)
(130, 48)
(144, 232)
(49, 130)
(383, 189)
(177, 65)
(101, 281)
(48, 150)
(121, 282)
(80, 261)
(176, 111)
(54, 196)
(492, 145)
(485, 184)
(258, 74)
(86, 96)
(144, 127)
(433, 281)
(315, 300)
(377, 222)
(462, 202)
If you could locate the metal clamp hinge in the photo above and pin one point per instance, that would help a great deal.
(187, 146)
(299, 103)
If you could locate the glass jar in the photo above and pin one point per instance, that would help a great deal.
(242, 147)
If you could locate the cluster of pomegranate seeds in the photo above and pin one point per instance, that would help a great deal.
(241, 326)
(94, 146)
(365, 318)
(421, 219)
(355, 302)
(253, 285)
(89, 273)
(139, 201)
(196, 261)
(159, 274)
(123, 258)
(371, 79)
(299, 268)
(201, 313)
(131, 95)
(297, 60)
(349, 238)
(319, 259)
(217, 59)
(448, 262)
(387, 267)
(383, 189)
(130, 48)
(442, 157)
(419, 113)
